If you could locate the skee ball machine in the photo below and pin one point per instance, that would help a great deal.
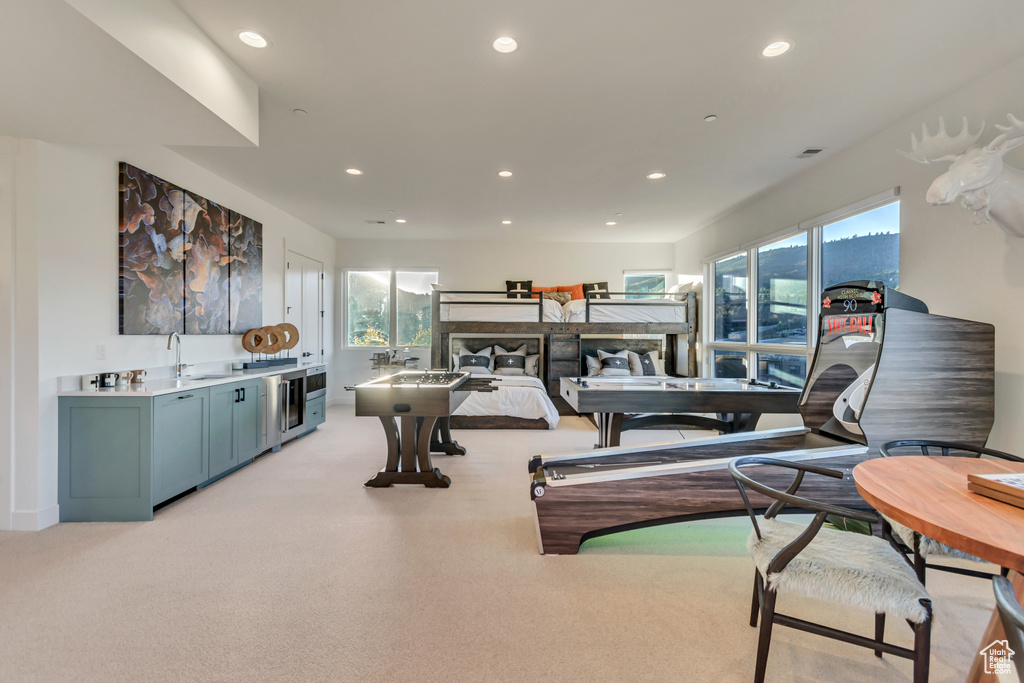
(884, 368)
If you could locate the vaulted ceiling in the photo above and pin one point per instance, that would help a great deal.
(599, 94)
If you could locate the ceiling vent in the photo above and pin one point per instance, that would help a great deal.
(809, 152)
(373, 222)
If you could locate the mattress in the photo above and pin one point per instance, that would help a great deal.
(516, 396)
(626, 311)
(510, 311)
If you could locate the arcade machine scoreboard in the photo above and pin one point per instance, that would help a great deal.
(884, 369)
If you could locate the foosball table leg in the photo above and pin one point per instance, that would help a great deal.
(409, 454)
(441, 439)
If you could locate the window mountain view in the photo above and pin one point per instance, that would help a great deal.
(782, 282)
(369, 309)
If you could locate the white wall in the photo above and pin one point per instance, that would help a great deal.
(8, 151)
(67, 211)
(486, 265)
(959, 269)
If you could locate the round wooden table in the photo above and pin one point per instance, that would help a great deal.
(929, 494)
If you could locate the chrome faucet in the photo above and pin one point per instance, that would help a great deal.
(177, 352)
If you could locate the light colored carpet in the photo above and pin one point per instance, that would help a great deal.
(290, 570)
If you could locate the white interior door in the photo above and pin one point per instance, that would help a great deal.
(303, 300)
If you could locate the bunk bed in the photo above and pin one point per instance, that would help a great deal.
(474, 319)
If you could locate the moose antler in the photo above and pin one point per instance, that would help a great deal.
(941, 147)
(1011, 136)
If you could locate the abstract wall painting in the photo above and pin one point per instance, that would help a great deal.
(152, 254)
(187, 264)
(245, 273)
(206, 267)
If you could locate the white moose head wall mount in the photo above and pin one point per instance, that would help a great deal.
(977, 175)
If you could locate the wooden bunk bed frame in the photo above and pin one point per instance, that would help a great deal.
(563, 346)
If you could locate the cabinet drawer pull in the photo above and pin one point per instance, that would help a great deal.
(186, 396)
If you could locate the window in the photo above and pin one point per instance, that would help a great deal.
(412, 299)
(774, 341)
(731, 299)
(644, 282)
(389, 307)
(865, 246)
(782, 291)
(369, 308)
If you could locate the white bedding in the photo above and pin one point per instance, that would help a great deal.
(516, 396)
(626, 311)
(516, 311)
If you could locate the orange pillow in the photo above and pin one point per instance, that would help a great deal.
(545, 289)
(575, 290)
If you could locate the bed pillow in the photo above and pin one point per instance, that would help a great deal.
(596, 288)
(533, 365)
(678, 292)
(593, 365)
(561, 297)
(646, 363)
(479, 363)
(509, 362)
(519, 289)
(614, 364)
(576, 291)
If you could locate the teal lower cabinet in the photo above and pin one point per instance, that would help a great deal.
(105, 459)
(248, 421)
(235, 429)
(118, 457)
(315, 412)
(181, 443)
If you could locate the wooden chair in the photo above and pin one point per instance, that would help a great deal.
(853, 569)
(1012, 616)
(913, 544)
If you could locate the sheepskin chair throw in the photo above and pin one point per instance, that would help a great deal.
(848, 568)
(928, 546)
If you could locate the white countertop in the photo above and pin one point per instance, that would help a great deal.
(167, 385)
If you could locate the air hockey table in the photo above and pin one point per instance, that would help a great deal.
(623, 403)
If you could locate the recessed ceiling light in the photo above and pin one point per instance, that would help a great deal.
(399, 220)
(505, 44)
(711, 117)
(505, 174)
(610, 223)
(353, 171)
(299, 112)
(657, 175)
(779, 47)
(253, 39)
(618, 214)
(506, 222)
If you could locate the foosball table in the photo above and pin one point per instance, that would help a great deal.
(423, 401)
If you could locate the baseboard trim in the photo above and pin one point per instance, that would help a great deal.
(35, 521)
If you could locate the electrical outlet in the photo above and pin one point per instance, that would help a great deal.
(101, 352)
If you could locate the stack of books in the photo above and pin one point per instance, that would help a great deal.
(1007, 487)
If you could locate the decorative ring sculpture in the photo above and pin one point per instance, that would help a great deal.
(293, 335)
(275, 337)
(255, 340)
